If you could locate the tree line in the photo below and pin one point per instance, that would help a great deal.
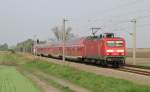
(24, 46)
(27, 45)
(4, 47)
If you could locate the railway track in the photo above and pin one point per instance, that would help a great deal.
(136, 66)
(140, 71)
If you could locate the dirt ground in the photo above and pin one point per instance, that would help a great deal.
(139, 61)
(142, 55)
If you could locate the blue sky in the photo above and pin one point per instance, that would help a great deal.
(22, 19)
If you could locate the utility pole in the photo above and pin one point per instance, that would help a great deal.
(64, 37)
(134, 41)
(33, 47)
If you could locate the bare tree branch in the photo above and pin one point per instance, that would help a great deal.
(59, 34)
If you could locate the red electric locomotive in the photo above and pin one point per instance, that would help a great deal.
(105, 49)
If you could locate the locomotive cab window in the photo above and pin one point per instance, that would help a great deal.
(119, 43)
(111, 43)
(115, 43)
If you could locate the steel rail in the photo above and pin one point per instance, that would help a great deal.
(135, 70)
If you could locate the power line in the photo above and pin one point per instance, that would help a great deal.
(125, 21)
(120, 6)
(132, 12)
(138, 17)
(142, 17)
(142, 26)
(118, 28)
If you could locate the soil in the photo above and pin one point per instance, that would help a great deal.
(139, 61)
(140, 53)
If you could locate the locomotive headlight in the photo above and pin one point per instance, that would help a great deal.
(109, 50)
(120, 50)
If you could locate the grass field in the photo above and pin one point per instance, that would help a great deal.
(91, 81)
(19, 61)
(146, 65)
(12, 81)
(88, 80)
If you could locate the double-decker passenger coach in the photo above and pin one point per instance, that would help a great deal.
(105, 49)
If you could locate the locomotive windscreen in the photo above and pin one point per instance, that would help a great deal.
(115, 43)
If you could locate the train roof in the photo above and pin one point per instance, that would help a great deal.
(79, 41)
(43, 44)
(75, 42)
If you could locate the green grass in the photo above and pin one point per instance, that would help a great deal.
(55, 84)
(145, 65)
(12, 81)
(91, 81)
(24, 71)
(10, 59)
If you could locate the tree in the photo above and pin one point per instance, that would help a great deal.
(25, 46)
(59, 33)
(4, 47)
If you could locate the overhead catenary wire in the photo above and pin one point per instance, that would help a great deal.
(120, 6)
(113, 23)
(116, 20)
(128, 14)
